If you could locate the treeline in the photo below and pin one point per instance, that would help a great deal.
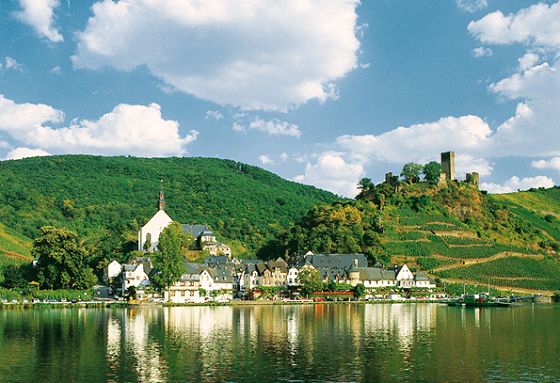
(106, 199)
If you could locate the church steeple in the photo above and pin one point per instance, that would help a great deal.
(161, 202)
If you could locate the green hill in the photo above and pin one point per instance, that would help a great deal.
(14, 247)
(106, 199)
(456, 233)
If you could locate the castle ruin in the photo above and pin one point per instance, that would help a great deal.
(448, 165)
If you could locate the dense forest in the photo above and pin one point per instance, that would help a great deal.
(106, 199)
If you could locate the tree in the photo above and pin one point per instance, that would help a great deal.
(431, 172)
(360, 290)
(61, 260)
(310, 281)
(168, 260)
(366, 188)
(411, 172)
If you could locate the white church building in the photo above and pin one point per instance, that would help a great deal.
(148, 235)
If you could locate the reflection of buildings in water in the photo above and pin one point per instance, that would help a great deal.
(149, 367)
(402, 321)
(114, 335)
(199, 320)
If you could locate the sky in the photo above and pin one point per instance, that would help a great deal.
(322, 92)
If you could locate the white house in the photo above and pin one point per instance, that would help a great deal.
(134, 275)
(217, 282)
(293, 279)
(187, 289)
(404, 277)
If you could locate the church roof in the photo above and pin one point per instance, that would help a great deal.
(159, 216)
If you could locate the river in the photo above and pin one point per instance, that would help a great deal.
(310, 343)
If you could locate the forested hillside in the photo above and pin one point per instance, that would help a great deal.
(455, 232)
(106, 199)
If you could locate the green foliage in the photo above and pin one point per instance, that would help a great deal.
(429, 263)
(411, 172)
(61, 260)
(107, 199)
(310, 281)
(168, 260)
(360, 290)
(343, 227)
(431, 171)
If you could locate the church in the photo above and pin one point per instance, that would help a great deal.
(148, 235)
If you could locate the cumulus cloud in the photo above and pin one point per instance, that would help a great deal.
(19, 153)
(553, 163)
(515, 184)
(419, 142)
(471, 6)
(213, 114)
(535, 25)
(333, 172)
(274, 127)
(137, 130)
(39, 15)
(482, 52)
(249, 54)
(265, 160)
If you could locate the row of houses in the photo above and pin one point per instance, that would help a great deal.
(222, 279)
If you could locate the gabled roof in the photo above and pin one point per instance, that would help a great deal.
(220, 275)
(376, 274)
(216, 259)
(195, 230)
(159, 216)
(337, 261)
(422, 276)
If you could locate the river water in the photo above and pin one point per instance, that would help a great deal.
(311, 343)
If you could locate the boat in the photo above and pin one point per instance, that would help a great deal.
(485, 300)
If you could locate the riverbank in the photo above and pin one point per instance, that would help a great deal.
(118, 304)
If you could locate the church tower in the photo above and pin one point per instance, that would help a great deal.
(161, 201)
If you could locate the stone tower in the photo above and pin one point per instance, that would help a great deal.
(448, 164)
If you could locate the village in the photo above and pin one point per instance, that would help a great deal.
(223, 278)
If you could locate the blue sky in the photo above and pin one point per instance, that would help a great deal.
(322, 92)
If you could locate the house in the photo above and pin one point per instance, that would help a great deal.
(187, 289)
(335, 267)
(217, 282)
(422, 281)
(292, 277)
(134, 275)
(404, 277)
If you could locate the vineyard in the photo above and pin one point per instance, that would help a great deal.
(511, 272)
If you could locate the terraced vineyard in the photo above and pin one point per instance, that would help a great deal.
(453, 252)
(14, 248)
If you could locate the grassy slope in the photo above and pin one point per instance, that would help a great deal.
(113, 196)
(438, 241)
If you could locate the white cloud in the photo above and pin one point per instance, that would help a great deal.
(466, 164)
(213, 114)
(19, 153)
(39, 15)
(284, 157)
(249, 54)
(471, 6)
(265, 160)
(515, 184)
(10, 63)
(482, 52)
(137, 130)
(535, 25)
(56, 70)
(527, 61)
(420, 142)
(273, 127)
(332, 172)
(553, 163)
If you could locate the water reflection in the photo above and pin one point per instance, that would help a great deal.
(400, 342)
